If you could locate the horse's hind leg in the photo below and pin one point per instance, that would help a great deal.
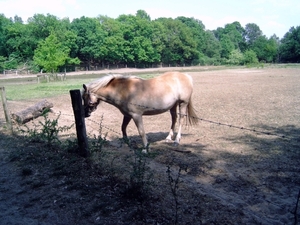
(182, 114)
(173, 112)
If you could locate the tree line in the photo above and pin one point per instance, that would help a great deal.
(48, 43)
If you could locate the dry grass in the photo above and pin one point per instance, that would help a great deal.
(234, 176)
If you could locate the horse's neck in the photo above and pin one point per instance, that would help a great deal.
(104, 94)
(101, 94)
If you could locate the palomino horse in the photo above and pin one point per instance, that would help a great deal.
(136, 97)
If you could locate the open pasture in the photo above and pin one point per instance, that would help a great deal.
(242, 158)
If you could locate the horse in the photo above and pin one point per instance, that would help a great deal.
(136, 97)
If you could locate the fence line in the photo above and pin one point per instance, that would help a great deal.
(5, 108)
(209, 121)
(202, 120)
(98, 123)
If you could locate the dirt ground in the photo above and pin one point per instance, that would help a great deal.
(240, 164)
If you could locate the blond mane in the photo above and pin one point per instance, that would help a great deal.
(103, 81)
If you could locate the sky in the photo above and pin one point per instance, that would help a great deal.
(272, 16)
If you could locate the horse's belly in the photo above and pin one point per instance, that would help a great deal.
(154, 109)
(154, 112)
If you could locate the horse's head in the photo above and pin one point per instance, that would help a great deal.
(90, 101)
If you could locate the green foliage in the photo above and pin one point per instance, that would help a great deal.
(140, 176)
(197, 30)
(252, 33)
(137, 35)
(179, 46)
(90, 39)
(227, 47)
(49, 54)
(250, 57)
(46, 131)
(174, 182)
(134, 40)
(212, 48)
(236, 57)
(265, 49)
(230, 37)
(2, 63)
(4, 22)
(290, 47)
(99, 141)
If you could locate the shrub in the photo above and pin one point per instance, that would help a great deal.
(46, 131)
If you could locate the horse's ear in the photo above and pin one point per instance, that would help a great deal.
(84, 87)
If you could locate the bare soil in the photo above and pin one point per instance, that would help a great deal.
(242, 160)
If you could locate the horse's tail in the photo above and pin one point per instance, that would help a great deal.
(191, 114)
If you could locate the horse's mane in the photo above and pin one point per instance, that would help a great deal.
(103, 81)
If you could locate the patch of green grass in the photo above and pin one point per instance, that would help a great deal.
(41, 90)
(22, 90)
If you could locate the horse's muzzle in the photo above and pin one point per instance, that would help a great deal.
(87, 113)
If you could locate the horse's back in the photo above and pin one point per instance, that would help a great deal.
(182, 82)
(175, 74)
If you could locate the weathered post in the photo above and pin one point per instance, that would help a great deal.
(80, 122)
(6, 112)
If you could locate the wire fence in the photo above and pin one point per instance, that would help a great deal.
(253, 130)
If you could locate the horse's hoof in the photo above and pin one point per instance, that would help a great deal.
(145, 151)
(168, 140)
(175, 144)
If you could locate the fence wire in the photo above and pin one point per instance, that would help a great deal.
(110, 101)
(257, 131)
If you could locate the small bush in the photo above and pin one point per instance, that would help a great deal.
(46, 131)
(98, 142)
(174, 182)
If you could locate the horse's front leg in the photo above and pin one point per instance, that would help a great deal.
(126, 120)
(138, 120)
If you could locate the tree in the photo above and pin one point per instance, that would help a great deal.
(197, 30)
(236, 57)
(4, 22)
(289, 50)
(250, 57)
(90, 40)
(49, 54)
(265, 49)
(42, 26)
(143, 15)
(113, 41)
(212, 49)
(95, 45)
(252, 33)
(2, 63)
(227, 46)
(230, 37)
(179, 45)
(138, 33)
(19, 41)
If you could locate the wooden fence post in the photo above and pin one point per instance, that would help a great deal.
(6, 112)
(80, 122)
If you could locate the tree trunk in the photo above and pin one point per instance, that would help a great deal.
(32, 112)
